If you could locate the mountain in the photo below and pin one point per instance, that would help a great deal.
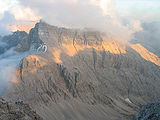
(83, 75)
(12, 40)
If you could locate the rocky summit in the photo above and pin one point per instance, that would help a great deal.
(84, 75)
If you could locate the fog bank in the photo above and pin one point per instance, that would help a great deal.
(8, 63)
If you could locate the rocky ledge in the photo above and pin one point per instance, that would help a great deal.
(150, 111)
(17, 111)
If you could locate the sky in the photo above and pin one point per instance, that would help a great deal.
(140, 9)
(81, 13)
(134, 8)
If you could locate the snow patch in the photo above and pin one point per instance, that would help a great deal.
(128, 100)
(42, 48)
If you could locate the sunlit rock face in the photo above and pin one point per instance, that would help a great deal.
(54, 36)
(23, 26)
(145, 54)
(84, 75)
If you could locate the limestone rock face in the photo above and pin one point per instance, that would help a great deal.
(53, 36)
(24, 45)
(84, 75)
(34, 37)
(17, 111)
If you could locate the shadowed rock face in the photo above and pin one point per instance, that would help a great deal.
(84, 76)
(150, 111)
(17, 111)
(13, 40)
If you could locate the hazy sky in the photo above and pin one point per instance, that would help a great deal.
(142, 9)
(82, 13)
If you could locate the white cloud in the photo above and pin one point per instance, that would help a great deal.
(97, 14)
(24, 13)
(7, 19)
(5, 5)
(75, 13)
(135, 25)
(107, 6)
(8, 63)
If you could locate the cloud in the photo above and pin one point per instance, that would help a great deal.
(3, 31)
(106, 6)
(97, 14)
(21, 20)
(149, 36)
(136, 26)
(8, 63)
(5, 5)
(75, 13)
(7, 19)
(21, 13)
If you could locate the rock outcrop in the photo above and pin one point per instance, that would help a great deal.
(150, 111)
(17, 111)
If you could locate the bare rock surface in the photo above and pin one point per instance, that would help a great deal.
(17, 111)
(150, 111)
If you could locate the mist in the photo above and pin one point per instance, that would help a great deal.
(8, 63)
(5, 21)
(149, 37)
(95, 14)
